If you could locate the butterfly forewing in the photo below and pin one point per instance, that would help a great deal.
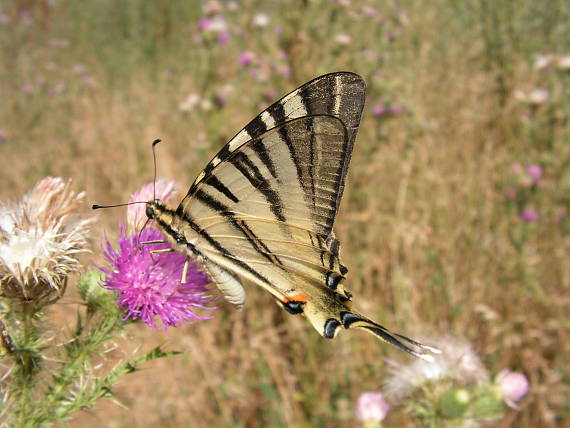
(272, 203)
(341, 95)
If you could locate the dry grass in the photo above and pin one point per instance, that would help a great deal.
(432, 244)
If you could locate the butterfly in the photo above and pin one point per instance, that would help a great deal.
(263, 209)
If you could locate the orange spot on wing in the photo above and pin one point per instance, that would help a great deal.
(296, 298)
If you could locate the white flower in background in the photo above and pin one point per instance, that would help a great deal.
(190, 102)
(538, 96)
(535, 97)
(212, 7)
(457, 362)
(260, 20)
(40, 239)
(343, 39)
(563, 62)
(544, 61)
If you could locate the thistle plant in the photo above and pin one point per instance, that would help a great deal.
(45, 379)
(455, 390)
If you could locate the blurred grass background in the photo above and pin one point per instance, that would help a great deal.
(432, 223)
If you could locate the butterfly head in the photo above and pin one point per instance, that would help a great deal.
(150, 210)
(154, 209)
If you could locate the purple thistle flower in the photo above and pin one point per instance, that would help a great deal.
(149, 285)
(529, 216)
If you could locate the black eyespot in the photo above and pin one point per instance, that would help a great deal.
(293, 307)
(149, 212)
(330, 327)
(333, 280)
(180, 239)
(348, 318)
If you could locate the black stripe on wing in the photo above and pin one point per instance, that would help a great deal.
(220, 248)
(248, 169)
(239, 225)
(262, 154)
(339, 94)
(221, 187)
(256, 127)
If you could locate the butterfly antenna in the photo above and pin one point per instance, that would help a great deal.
(154, 143)
(96, 207)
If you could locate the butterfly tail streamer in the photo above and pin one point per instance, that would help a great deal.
(344, 317)
(352, 320)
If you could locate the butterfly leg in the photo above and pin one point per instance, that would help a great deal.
(160, 241)
(161, 251)
(184, 272)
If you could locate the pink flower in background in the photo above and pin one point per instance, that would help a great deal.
(215, 24)
(246, 58)
(136, 214)
(513, 386)
(517, 168)
(379, 109)
(204, 24)
(223, 37)
(511, 192)
(529, 216)
(149, 285)
(371, 407)
(535, 173)
(396, 109)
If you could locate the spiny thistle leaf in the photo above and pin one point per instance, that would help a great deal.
(87, 396)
